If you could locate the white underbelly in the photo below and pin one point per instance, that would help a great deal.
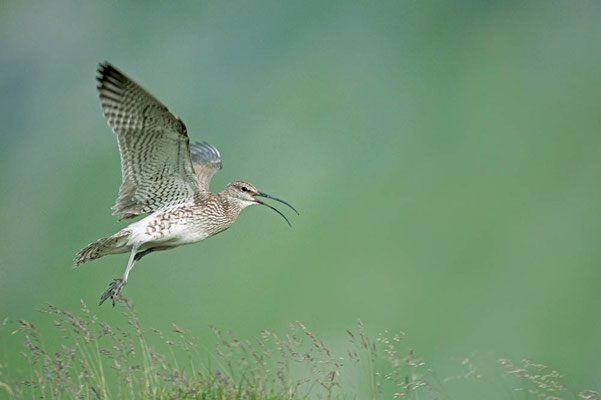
(156, 230)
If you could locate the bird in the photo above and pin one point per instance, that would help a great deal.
(165, 179)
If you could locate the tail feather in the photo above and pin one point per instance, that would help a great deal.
(102, 247)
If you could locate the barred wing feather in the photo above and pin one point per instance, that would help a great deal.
(155, 149)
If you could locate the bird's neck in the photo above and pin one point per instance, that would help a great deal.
(234, 206)
(224, 205)
(241, 204)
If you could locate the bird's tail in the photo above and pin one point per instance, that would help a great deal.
(102, 247)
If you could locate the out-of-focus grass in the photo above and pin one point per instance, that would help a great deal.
(98, 361)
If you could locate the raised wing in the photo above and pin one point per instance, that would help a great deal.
(155, 148)
(206, 161)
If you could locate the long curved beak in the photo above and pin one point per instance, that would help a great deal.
(261, 194)
(276, 199)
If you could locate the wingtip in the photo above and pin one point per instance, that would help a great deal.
(108, 73)
(103, 66)
(210, 153)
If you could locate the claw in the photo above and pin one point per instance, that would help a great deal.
(114, 291)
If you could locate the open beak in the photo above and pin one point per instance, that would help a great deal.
(261, 194)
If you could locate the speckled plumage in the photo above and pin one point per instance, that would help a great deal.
(163, 177)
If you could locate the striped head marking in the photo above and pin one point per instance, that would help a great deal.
(246, 195)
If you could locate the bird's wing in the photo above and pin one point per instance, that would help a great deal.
(155, 149)
(206, 161)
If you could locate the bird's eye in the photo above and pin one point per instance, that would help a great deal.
(244, 189)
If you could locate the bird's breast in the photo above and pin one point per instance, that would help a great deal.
(184, 224)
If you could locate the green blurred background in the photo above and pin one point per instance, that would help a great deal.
(445, 157)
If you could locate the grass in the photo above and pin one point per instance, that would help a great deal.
(99, 361)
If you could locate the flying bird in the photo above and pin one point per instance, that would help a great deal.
(164, 178)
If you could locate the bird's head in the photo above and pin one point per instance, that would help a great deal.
(245, 194)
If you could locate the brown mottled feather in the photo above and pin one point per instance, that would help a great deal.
(155, 149)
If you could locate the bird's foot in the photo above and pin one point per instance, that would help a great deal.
(114, 291)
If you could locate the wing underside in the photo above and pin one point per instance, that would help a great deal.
(206, 161)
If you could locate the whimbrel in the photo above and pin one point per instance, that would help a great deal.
(163, 177)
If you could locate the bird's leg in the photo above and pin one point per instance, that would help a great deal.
(115, 287)
(143, 253)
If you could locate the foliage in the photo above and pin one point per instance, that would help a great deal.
(99, 361)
